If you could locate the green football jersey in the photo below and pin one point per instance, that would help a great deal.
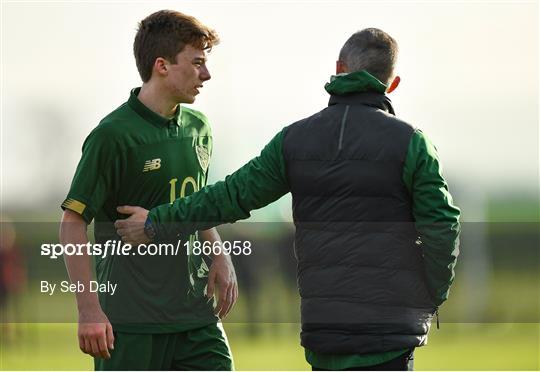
(137, 157)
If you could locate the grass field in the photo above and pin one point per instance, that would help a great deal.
(453, 347)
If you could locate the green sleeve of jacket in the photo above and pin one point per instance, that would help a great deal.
(258, 183)
(436, 217)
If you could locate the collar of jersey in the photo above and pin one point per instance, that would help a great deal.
(150, 115)
(354, 82)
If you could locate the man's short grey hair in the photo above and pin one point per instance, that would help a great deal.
(372, 50)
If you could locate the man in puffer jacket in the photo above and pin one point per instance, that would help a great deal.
(376, 229)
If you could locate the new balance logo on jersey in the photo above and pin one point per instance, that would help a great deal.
(151, 165)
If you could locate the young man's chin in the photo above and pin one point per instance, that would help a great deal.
(188, 100)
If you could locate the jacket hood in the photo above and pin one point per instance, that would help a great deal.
(354, 82)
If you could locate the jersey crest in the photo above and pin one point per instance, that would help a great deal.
(203, 156)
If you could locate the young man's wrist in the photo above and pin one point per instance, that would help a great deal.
(221, 255)
(87, 301)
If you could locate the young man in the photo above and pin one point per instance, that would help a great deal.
(376, 229)
(150, 151)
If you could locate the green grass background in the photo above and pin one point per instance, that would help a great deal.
(504, 341)
(501, 346)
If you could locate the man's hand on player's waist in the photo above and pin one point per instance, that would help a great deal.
(131, 229)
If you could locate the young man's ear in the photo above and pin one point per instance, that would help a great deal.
(161, 65)
(393, 85)
(341, 67)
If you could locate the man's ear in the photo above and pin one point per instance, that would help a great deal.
(393, 85)
(341, 67)
(161, 66)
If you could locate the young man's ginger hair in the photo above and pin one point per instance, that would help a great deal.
(165, 34)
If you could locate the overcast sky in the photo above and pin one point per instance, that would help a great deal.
(469, 79)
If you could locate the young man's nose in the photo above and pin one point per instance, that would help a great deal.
(205, 74)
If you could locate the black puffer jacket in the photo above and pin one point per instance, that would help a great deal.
(360, 271)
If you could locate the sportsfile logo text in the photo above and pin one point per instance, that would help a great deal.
(119, 248)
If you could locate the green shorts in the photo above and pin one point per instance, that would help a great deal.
(204, 348)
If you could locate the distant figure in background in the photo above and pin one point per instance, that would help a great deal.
(377, 233)
(13, 280)
(3, 286)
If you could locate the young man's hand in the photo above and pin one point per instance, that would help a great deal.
(131, 229)
(95, 333)
(223, 275)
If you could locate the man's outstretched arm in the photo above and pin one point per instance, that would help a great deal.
(258, 183)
